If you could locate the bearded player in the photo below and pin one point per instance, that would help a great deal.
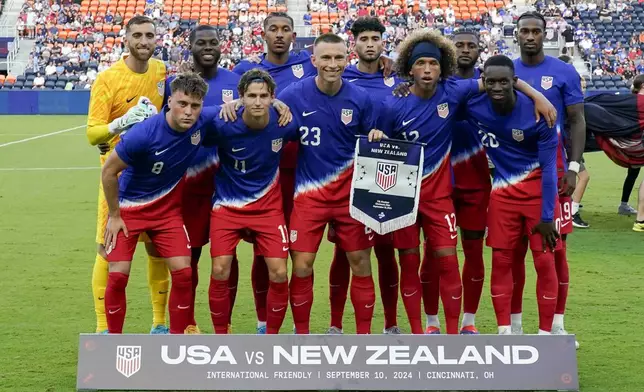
(471, 195)
(200, 184)
(367, 74)
(428, 116)
(561, 84)
(113, 109)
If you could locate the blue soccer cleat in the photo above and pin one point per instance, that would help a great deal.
(159, 330)
(104, 332)
(261, 330)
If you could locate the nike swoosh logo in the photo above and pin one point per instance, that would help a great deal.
(370, 306)
(452, 236)
(183, 307)
(113, 312)
(163, 292)
(217, 314)
(371, 237)
(565, 224)
(284, 248)
(459, 297)
(306, 114)
(549, 298)
(477, 280)
(408, 121)
(279, 310)
(101, 298)
(409, 295)
(261, 291)
(131, 99)
(498, 295)
(351, 80)
(161, 152)
(300, 304)
(239, 149)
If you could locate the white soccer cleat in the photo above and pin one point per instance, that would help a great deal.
(516, 330)
(557, 330)
(334, 331)
(392, 331)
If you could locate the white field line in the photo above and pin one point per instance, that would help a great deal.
(41, 136)
(15, 169)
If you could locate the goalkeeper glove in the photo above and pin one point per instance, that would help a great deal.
(142, 110)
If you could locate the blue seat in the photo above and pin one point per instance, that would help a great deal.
(598, 84)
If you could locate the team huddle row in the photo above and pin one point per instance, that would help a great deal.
(278, 172)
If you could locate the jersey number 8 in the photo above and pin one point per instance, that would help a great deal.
(157, 167)
(315, 134)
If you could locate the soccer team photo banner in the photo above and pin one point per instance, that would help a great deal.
(386, 184)
(327, 362)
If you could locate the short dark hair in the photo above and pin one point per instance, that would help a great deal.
(532, 15)
(500, 61)
(138, 20)
(328, 38)
(565, 58)
(367, 23)
(189, 83)
(255, 76)
(193, 33)
(466, 31)
(278, 15)
(638, 83)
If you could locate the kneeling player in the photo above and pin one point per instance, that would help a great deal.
(249, 198)
(524, 190)
(153, 158)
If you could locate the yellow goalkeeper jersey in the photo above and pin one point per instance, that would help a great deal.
(115, 91)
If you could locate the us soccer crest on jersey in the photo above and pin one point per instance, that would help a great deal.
(227, 96)
(517, 135)
(546, 82)
(347, 116)
(276, 145)
(443, 110)
(298, 70)
(195, 138)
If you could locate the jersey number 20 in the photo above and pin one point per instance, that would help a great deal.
(488, 139)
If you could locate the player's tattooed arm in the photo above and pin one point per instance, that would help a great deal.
(403, 89)
(109, 176)
(577, 121)
(541, 104)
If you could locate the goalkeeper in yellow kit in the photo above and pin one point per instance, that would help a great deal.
(128, 92)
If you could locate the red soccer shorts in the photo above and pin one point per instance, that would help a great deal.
(387, 239)
(269, 233)
(196, 216)
(287, 183)
(169, 237)
(438, 221)
(471, 208)
(508, 223)
(308, 224)
(565, 225)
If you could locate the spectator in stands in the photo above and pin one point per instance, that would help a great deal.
(39, 81)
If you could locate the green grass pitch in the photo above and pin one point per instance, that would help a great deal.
(48, 191)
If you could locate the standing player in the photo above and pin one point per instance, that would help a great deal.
(200, 184)
(367, 33)
(286, 68)
(472, 187)
(152, 159)
(333, 112)
(112, 110)
(249, 198)
(427, 115)
(524, 195)
(561, 84)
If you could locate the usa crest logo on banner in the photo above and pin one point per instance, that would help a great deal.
(385, 189)
(128, 360)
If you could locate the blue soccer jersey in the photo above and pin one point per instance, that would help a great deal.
(247, 180)
(158, 157)
(297, 67)
(430, 121)
(561, 85)
(378, 87)
(221, 89)
(523, 151)
(328, 126)
(467, 156)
